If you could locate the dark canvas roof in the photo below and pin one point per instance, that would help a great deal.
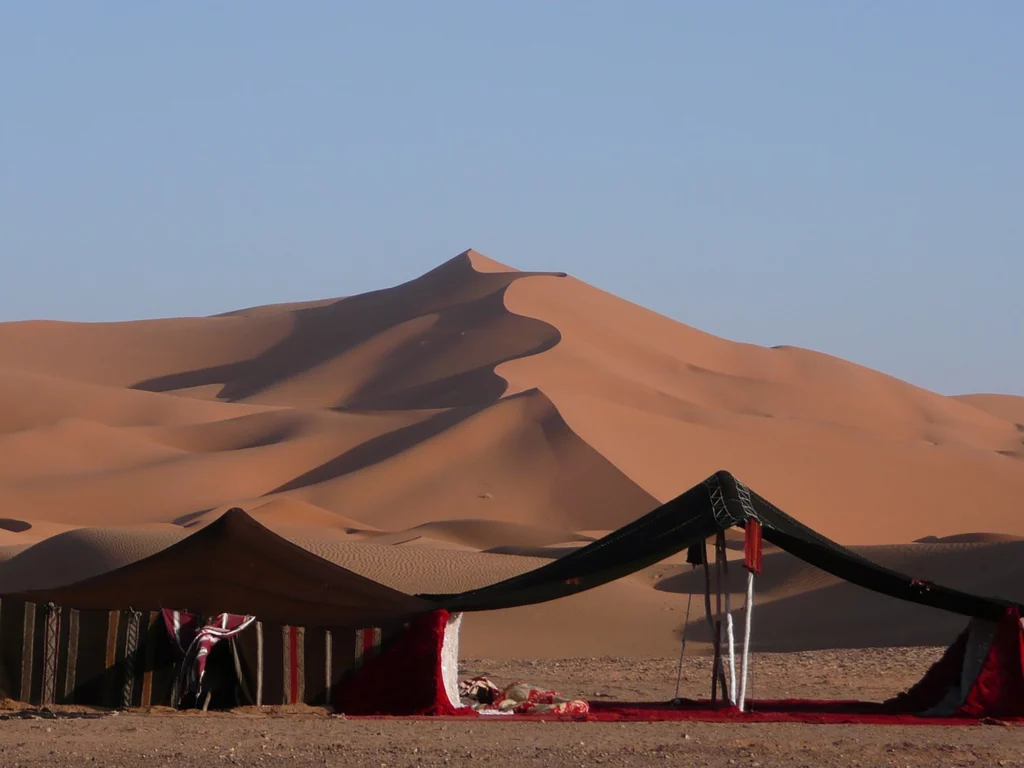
(236, 565)
(718, 503)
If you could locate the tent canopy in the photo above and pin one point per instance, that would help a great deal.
(235, 564)
(718, 503)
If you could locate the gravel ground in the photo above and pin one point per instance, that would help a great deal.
(309, 737)
(871, 674)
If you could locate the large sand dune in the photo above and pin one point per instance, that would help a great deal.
(478, 420)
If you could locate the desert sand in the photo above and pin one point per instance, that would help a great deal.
(303, 736)
(478, 421)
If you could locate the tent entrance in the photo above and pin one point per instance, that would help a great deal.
(224, 685)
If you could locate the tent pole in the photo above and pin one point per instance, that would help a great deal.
(711, 624)
(719, 660)
(729, 632)
(746, 639)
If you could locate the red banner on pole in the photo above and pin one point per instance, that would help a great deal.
(752, 546)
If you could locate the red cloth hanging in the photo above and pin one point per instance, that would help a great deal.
(752, 546)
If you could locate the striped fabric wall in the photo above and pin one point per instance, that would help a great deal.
(298, 665)
(54, 655)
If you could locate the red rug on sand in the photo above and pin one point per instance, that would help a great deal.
(767, 711)
(762, 711)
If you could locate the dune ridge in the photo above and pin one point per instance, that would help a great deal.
(474, 421)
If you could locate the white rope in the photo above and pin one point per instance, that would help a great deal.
(732, 646)
(746, 639)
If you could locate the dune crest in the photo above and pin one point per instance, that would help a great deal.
(826, 439)
(1005, 407)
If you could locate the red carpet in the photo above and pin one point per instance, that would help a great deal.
(760, 711)
(775, 711)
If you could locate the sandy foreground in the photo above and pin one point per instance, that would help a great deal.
(308, 737)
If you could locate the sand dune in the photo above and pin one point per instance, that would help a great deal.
(82, 553)
(19, 533)
(487, 534)
(285, 512)
(969, 538)
(76, 447)
(669, 404)
(32, 400)
(479, 420)
(1005, 407)
(515, 460)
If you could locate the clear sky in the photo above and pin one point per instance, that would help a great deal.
(845, 176)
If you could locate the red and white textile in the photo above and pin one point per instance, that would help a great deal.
(415, 674)
(196, 639)
(980, 675)
(518, 699)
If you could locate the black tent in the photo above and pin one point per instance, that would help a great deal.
(717, 504)
(236, 564)
(987, 679)
(104, 640)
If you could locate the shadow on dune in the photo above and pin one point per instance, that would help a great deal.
(453, 363)
(846, 616)
(192, 518)
(462, 298)
(576, 482)
(383, 447)
(821, 612)
(836, 616)
(380, 448)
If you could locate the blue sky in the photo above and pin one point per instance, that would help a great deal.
(843, 176)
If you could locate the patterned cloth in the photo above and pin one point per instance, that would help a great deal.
(195, 640)
(519, 698)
